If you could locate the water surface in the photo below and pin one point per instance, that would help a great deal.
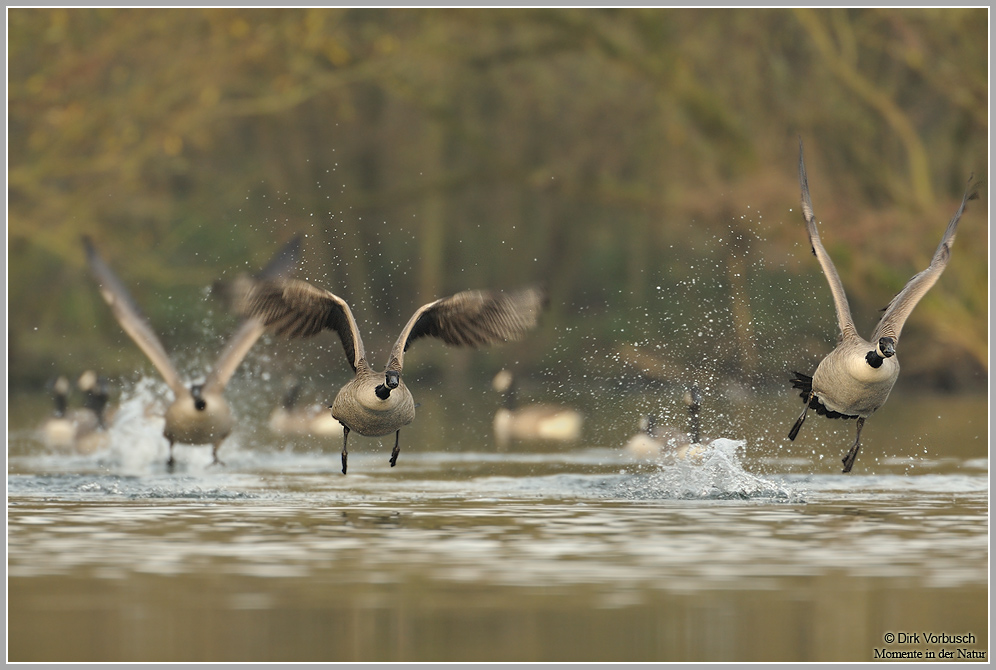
(461, 553)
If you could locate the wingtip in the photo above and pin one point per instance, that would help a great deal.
(284, 262)
(540, 295)
(972, 188)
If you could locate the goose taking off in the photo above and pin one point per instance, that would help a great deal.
(199, 414)
(856, 377)
(378, 403)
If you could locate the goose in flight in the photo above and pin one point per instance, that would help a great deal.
(374, 403)
(199, 413)
(855, 379)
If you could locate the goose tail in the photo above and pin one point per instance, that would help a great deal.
(804, 383)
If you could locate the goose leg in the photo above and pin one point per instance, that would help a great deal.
(169, 461)
(394, 452)
(345, 436)
(800, 420)
(853, 453)
(214, 454)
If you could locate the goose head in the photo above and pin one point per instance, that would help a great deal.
(887, 347)
(60, 394)
(197, 391)
(392, 378)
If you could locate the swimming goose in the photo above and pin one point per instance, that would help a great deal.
(536, 421)
(59, 431)
(654, 440)
(291, 419)
(378, 403)
(81, 430)
(96, 396)
(199, 414)
(855, 379)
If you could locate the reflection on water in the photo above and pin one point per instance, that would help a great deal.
(529, 555)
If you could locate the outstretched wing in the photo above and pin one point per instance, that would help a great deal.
(471, 319)
(250, 330)
(294, 308)
(231, 356)
(131, 320)
(896, 313)
(283, 263)
(844, 320)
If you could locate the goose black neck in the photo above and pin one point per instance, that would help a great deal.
(199, 403)
(874, 359)
(60, 405)
(383, 391)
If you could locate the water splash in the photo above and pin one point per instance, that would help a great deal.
(137, 445)
(712, 471)
(136, 431)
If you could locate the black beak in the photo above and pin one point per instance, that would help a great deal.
(199, 404)
(392, 379)
(888, 347)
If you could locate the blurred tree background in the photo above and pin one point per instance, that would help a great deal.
(641, 163)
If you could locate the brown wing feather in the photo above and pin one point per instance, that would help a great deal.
(844, 320)
(473, 318)
(130, 318)
(902, 305)
(294, 308)
(250, 330)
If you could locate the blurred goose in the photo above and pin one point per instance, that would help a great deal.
(855, 379)
(96, 397)
(199, 414)
(59, 431)
(291, 419)
(654, 440)
(378, 403)
(81, 430)
(534, 421)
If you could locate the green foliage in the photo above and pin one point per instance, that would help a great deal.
(605, 153)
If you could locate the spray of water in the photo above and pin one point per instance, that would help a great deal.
(712, 471)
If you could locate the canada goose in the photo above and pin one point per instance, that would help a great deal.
(199, 414)
(654, 440)
(96, 396)
(81, 430)
(291, 419)
(856, 377)
(378, 403)
(537, 421)
(59, 431)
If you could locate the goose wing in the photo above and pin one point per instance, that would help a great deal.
(231, 356)
(294, 308)
(250, 330)
(283, 262)
(471, 319)
(899, 309)
(131, 320)
(844, 320)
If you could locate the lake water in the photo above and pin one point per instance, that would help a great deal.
(759, 551)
